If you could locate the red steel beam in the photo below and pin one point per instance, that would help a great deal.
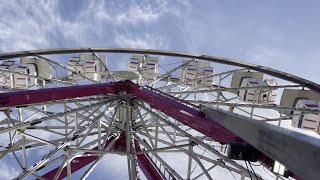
(144, 162)
(22, 98)
(186, 115)
(147, 166)
(183, 113)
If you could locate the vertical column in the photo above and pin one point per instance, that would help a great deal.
(127, 114)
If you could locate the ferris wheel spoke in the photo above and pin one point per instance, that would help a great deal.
(232, 90)
(200, 78)
(273, 107)
(91, 128)
(40, 163)
(79, 161)
(168, 73)
(105, 67)
(63, 164)
(172, 146)
(159, 159)
(94, 164)
(31, 137)
(206, 172)
(37, 121)
(169, 133)
(217, 162)
(11, 148)
(214, 151)
(198, 176)
(157, 140)
(35, 145)
(166, 149)
(144, 126)
(18, 160)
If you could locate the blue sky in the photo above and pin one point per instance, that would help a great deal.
(280, 34)
(283, 34)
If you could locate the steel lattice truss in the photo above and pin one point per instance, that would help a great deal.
(59, 127)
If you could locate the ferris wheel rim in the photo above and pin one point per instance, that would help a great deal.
(270, 71)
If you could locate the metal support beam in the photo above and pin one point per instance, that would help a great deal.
(146, 165)
(169, 72)
(232, 90)
(185, 114)
(105, 67)
(80, 162)
(197, 141)
(298, 152)
(200, 78)
(147, 146)
(23, 98)
(261, 106)
(37, 121)
(46, 158)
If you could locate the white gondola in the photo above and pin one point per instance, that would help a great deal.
(272, 94)
(88, 65)
(146, 65)
(195, 70)
(18, 80)
(21, 81)
(258, 95)
(290, 97)
(207, 82)
(134, 64)
(5, 77)
(189, 74)
(150, 72)
(43, 68)
(72, 65)
(308, 121)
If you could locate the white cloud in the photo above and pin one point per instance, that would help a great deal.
(25, 25)
(146, 41)
(137, 12)
(132, 15)
(111, 166)
(29, 25)
(7, 172)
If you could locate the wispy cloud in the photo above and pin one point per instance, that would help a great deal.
(134, 14)
(40, 24)
(7, 171)
(146, 41)
(28, 25)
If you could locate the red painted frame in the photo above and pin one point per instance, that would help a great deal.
(183, 113)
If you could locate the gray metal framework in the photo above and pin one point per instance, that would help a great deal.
(276, 142)
(92, 126)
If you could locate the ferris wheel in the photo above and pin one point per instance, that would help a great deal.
(168, 115)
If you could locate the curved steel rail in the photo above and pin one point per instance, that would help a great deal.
(276, 73)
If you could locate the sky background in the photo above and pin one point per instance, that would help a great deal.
(282, 34)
